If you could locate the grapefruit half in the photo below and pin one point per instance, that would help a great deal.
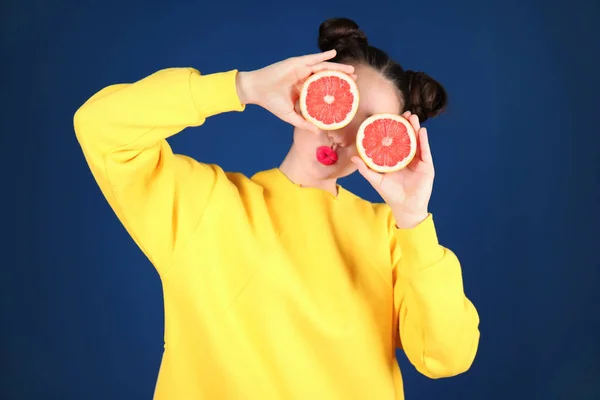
(386, 142)
(329, 99)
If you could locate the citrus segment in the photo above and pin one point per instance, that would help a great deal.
(386, 142)
(329, 99)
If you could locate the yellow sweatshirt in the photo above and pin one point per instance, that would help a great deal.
(271, 290)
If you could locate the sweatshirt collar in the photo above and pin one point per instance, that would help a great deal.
(274, 181)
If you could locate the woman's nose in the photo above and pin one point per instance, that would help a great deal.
(340, 137)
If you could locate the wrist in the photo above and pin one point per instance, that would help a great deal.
(244, 86)
(406, 220)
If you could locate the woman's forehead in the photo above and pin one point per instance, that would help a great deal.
(377, 93)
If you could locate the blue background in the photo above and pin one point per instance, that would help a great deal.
(516, 193)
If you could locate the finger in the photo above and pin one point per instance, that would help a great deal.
(424, 144)
(299, 122)
(414, 121)
(297, 88)
(318, 57)
(406, 114)
(374, 178)
(348, 69)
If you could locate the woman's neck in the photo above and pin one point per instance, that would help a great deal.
(304, 174)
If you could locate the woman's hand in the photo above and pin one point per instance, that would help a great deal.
(276, 87)
(407, 191)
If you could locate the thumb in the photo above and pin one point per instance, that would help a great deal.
(299, 122)
(373, 177)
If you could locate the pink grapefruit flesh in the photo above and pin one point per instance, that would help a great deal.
(386, 142)
(329, 99)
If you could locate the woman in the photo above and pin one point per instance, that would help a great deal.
(284, 285)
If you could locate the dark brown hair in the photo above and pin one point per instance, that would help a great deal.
(421, 94)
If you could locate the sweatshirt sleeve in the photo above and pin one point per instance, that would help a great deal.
(438, 326)
(157, 195)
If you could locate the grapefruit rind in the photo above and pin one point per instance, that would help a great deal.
(353, 89)
(367, 160)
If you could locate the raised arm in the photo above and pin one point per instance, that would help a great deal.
(437, 323)
(158, 196)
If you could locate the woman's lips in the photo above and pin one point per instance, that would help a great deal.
(326, 155)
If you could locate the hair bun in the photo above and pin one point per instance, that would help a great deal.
(427, 97)
(340, 34)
